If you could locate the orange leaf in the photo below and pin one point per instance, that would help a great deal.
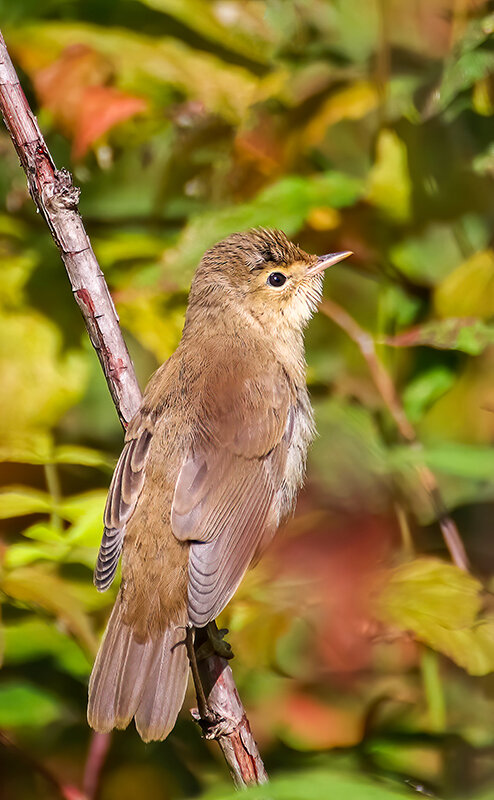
(61, 85)
(310, 724)
(102, 108)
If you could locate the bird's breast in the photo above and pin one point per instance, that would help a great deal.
(301, 435)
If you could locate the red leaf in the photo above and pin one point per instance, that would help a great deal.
(341, 565)
(72, 792)
(102, 108)
(309, 723)
(61, 85)
(74, 89)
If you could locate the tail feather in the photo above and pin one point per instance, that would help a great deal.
(146, 680)
(158, 709)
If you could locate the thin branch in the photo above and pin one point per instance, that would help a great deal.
(387, 390)
(56, 198)
(99, 745)
(231, 728)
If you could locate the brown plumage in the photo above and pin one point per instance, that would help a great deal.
(211, 466)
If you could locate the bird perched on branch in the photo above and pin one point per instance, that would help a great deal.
(211, 466)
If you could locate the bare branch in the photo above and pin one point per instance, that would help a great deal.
(57, 199)
(99, 745)
(387, 390)
(231, 728)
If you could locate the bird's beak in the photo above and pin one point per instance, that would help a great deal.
(323, 262)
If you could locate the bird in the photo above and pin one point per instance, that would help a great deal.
(211, 466)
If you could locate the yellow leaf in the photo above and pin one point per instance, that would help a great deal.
(389, 184)
(352, 102)
(40, 383)
(468, 291)
(483, 101)
(155, 325)
(38, 586)
(138, 59)
(324, 218)
(441, 604)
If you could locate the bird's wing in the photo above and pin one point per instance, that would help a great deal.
(125, 488)
(225, 499)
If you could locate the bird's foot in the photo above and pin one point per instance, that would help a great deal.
(215, 644)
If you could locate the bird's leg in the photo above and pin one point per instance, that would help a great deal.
(202, 704)
(215, 643)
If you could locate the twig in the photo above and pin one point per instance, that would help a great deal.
(387, 390)
(99, 745)
(231, 728)
(56, 198)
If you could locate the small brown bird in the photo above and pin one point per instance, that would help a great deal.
(211, 466)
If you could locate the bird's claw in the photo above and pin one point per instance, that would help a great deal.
(215, 644)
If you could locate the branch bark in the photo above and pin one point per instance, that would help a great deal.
(56, 199)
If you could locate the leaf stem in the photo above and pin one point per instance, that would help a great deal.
(55, 491)
(433, 689)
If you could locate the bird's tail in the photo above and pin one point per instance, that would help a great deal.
(146, 680)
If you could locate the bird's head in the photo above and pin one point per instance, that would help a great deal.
(262, 275)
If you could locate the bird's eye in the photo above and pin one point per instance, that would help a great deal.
(276, 279)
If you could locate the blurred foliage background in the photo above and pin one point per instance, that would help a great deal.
(363, 655)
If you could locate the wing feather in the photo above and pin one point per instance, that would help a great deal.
(125, 488)
(225, 494)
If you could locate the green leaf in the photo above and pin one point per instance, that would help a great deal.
(88, 527)
(389, 186)
(141, 60)
(82, 456)
(398, 307)
(40, 450)
(21, 554)
(460, 74)
(79, 506)
(36, 638)
(483, 163)
(38, 586)
(313, 785)
(41, 383)
(465, 460)
(467, 334)
(440, 605)
(44, 532)
(427, 387)
(286, 205)
(16, 270)
(469, 62)
(206, 20)
(464, 472)
(125, 246)
(37, 448)
(78, 544)
(22, 501)
(361, 466)
(24, 705)
(427, 258)
(155, 321)
(454, 458)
